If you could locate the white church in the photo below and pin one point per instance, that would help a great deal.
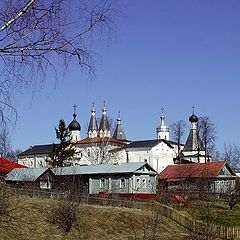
(103, 145)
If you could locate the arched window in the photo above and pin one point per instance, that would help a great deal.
(144, 183)
(138, 182)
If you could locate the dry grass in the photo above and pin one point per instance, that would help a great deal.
(29, 221)
(218, 211)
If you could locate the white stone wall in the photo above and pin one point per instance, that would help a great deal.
(34, 161)
(75, 136)
(163, 135)
(189, 156)
(159, 157)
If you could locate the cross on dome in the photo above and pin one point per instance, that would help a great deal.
(74, 110)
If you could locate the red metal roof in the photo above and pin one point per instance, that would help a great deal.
(100, 140)
(195, 170)
(7, 165)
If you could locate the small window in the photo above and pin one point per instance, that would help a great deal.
(149, 182)
(122, 183)
(45, 185)
(138, 182)
(102, 183)
(127, 157)
(88, 153)
(144, 183)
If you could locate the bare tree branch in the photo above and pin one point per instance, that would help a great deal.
(37, 36)
(178, 129)
(18, 15)
(207, 135)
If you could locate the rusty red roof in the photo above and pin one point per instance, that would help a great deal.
(100, 140)
(7, 165)
(195, 170)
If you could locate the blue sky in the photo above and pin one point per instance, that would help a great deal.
(165, 53)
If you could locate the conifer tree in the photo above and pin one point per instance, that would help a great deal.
(64, 151)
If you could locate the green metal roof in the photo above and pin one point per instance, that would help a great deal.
(104, 169)
(25, 174)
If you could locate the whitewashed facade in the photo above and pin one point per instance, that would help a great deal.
(103, 147)
(157, 153)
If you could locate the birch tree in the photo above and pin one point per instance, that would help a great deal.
(38, 35)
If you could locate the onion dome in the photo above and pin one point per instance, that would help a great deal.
(193, 118)
(74, 125)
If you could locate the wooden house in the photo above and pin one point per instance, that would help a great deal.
(34, 178)
(137, 178)
(215, 177)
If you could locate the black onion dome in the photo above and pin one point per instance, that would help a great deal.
(193, 118)
(74, 125)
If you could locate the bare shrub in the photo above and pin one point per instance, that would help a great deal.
(5, 210)
(146, 227)
(64, 215)
(10, 224)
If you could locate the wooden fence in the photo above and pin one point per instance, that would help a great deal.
(196, 226)
(84, 199)
(199, 226)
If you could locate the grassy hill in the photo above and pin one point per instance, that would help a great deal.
(34, 218)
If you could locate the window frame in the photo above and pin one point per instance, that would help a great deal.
(102, 183)
(138, 182)
(144, 183)
(122, 182)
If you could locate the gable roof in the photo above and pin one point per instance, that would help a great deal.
(7, 165)
(38, 149)
(100, 140)
(194, 170)
(147, 143)
(25, 174)
(174, 143)
(103, 169)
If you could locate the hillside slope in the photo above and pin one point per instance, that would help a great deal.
(30, 220)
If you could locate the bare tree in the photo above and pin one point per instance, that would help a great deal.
(207, 135)
(100, 151)
(177, 130)
(231, 154)
(232, 194)
(6, 150)
(5, 141)
(13, 154)
(37, 35)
